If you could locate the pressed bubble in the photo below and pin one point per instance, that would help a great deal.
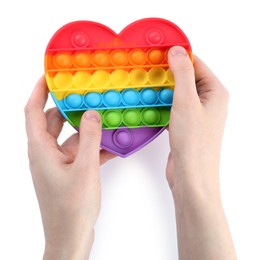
(138, 77)
(119, 77)
(130, 97)
(148, 96)
(93, 99)
(82, 79)
(101, 78)
(63, 80)
(170, 77)
(157, 76)
(73, 101)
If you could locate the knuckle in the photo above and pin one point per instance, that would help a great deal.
(54, 115)
(50, 111)
(226, 94)
(27, 109)
(223, 94)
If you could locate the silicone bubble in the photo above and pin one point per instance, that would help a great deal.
(82, 59)
(73, 101)
(157, 76)
(119, 77)
(112, 118)
(137, 57)
(93, 99)
(119, 58)
(79, 39)
(138, 77)
(131, 117)
(101, 78)
(124, 76)
(112, 98)
(123, 138)
(154, 36)
(130, 97)
(62, 60)
(62, 80)
(166, 95)
(150, 116)
(148, 96)
(100, 58)
(156, 56)
(170, 77)
(82, 79)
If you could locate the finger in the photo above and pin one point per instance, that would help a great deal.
(183, 71)
(55, 122)
(202, 71)
(206, 81)
(34, 111)
(105, 156)
(70, 148)
(89, 139)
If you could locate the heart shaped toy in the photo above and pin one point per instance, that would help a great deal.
(125, 77)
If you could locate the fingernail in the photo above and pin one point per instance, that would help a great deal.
(178, 50)
(93, 115)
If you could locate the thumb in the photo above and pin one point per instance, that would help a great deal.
(89, 138)
(183, 71)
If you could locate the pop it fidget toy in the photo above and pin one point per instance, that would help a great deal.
(125, 77)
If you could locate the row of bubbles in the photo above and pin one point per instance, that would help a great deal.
(115, 99)
(107, 58)
(81, 40)
(117, 78)
(134, 117)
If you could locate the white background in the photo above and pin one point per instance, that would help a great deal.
(137, 216)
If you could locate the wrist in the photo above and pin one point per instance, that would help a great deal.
(69, 248)
(194, 195)
(193, 181)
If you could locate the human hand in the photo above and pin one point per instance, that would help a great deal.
(196, 124)
(196, 128)
(65, 177)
